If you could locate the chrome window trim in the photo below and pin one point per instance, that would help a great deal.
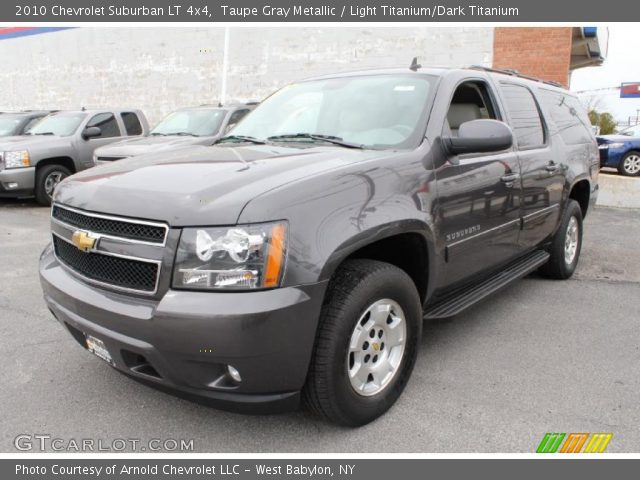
(116, 219)
(69, 268)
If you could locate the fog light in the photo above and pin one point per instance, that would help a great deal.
(11, 185)
(233, 373)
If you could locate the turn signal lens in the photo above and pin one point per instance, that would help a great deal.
(275, 256)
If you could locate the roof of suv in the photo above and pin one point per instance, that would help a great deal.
(440, 71)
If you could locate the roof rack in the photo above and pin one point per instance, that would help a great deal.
(515, 73)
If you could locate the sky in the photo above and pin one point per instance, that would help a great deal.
(621, 65)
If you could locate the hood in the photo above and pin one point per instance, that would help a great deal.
(198, 185)
(616, 138)
(150, 144)
(25, 142)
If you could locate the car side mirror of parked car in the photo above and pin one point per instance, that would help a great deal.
(480, 136)
(91, 132)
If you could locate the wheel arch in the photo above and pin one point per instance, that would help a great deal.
(64, 161)
(408, 244)
(580, 191)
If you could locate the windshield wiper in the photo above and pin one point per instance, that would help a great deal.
(183, 134)
(43, 133)
(319, 138)
(241, 138)
(158, 134)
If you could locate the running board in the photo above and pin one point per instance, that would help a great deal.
(464, 298)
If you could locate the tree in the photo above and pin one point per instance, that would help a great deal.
(604, 121)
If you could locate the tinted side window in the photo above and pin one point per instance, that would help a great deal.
(107, 124)
(569, 116)
(131, 123)
(524, 115)
(236, 117)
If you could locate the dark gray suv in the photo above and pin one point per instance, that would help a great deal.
(297, 258)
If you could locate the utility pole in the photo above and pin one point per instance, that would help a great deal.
(225, 66)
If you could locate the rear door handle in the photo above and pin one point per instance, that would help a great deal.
(552, 167)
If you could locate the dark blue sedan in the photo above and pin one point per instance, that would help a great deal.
(621, 151)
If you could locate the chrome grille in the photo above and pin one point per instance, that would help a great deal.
(116, 227)
(125, 273)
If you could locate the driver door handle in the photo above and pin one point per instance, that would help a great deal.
(510, 178)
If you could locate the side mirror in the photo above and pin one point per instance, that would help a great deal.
(480, 136)
(91, 132)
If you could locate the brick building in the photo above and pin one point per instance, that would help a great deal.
(550, 53)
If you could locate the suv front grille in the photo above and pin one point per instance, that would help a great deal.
(115, 271)
(133, 230)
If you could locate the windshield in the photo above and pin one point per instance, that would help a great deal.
(631, 131)
(198, 122)
(9, 125)
(60, 124)
(381, 111)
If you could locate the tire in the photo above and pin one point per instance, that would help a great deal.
(47, 178)
(358, 288)
(558, 266)
(630, 164)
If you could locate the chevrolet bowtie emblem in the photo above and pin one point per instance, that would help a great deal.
(83, 240)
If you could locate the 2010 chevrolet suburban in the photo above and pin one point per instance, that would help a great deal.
(297, 258)
(59, 145)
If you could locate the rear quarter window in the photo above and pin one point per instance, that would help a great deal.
(569, 116)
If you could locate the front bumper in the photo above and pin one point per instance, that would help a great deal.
(17, 181)
(183, 342)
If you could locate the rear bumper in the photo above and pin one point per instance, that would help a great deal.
(184, 342)
(17, 181)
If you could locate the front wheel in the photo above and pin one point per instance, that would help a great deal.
(366, 345)
(47, 179)
(630, 164)
(566, 245)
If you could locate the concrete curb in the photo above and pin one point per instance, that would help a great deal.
(618, 191)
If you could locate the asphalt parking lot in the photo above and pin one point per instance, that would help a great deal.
(541, 356)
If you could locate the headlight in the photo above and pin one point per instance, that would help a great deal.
(17, 159)
(231, 258)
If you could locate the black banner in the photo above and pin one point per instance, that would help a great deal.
(352, 469)
(37, 11)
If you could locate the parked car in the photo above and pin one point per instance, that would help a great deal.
(59, 145)
(621, 151)
(297, 257)
(188, 126)
(18, 123)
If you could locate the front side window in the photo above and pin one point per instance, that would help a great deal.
(471, 101)
(60, 124)
(525, 116)
(377, 111)
(107, 124)
(197, 122)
